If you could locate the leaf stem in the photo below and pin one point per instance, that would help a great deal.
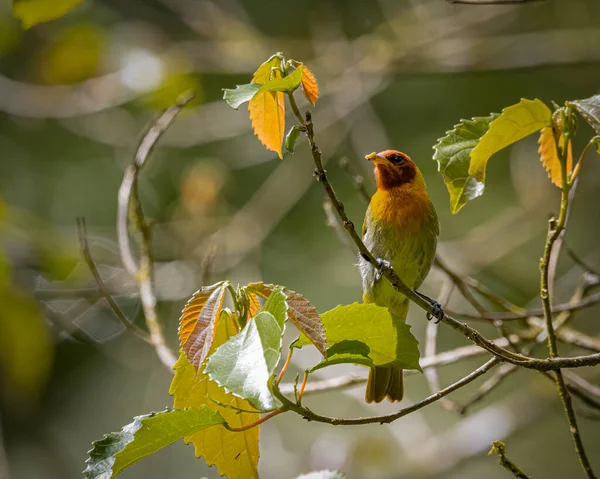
(256, 423)
(581, 158)
(286, 364)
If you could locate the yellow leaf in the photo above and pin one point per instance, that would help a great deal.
(235, 454)
(198, 322)
(516, 122)
(267, 110)
(32, 12)
(549, 156)
(310, 87)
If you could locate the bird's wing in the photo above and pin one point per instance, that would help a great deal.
(364, 227)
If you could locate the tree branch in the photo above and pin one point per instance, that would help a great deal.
(129, 209)
(388, 418)
(87, 256)
(556, 230)
(498, 447)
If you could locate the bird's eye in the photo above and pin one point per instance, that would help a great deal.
(397, 159)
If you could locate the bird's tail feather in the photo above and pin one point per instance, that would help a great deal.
(385, 382)
(388, 381)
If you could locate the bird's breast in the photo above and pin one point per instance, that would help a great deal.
(403, 230)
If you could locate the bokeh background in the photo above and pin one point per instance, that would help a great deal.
(75, 95)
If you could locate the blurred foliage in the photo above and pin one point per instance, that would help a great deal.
(32, 12)
(73, 55)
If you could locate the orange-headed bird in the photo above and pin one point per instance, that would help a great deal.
(400, 229)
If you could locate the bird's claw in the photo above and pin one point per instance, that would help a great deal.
(437, 310)
(382, 265)
(437, 313)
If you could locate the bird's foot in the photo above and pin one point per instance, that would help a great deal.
(437, 310)
(382, 266)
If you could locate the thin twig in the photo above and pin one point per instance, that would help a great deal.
(579, 261)
(440, 359)
(498, 447)
(488, 386)
(357, 179)
(388, 418)
(556, 230)
(431, 347)
(130, 207)
(591, 300)
(103, 290)
(479, 287)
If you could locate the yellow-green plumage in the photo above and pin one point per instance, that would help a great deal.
(401, 227)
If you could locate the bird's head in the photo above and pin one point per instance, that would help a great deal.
(393, 169)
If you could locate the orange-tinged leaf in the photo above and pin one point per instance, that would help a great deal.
(303, 314)
(267, 110)
(198, 322)
(310, 87)
(549, 155)
(254, 305)
(235, 454)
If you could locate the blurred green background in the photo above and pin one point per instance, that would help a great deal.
(75, 95)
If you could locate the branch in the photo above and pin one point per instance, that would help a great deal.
(498, 447)
(440, 359)
(588, 302)
(479, 287)
(578, 261)
(388, 418)
(430, 350)
(129, 208)
(357, 179)
(104, 292)
(488, 386)
(556, 230)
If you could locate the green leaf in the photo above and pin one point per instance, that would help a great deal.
(589, 108)
(286, 84)
(240, 95)
(32, 12)
(291, 138)
(452, 153)
(367, 334)
(327, 474)
(244, 364)
(144, 436)
(516, 122)
(597, 142)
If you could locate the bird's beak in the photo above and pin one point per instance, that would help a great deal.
(375, 158)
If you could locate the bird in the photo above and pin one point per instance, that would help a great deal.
(400, 229)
